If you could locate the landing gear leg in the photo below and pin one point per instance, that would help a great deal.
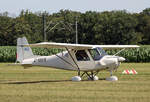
(92, 76)
(111, 74)
(78, 72)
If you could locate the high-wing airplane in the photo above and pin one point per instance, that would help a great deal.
(88, 59)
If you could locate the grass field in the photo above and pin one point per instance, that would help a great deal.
(39, 84)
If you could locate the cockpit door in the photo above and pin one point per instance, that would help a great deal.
(84, 60)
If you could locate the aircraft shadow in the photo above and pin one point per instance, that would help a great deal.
(33, 82)
(39, 81)
(102, 79)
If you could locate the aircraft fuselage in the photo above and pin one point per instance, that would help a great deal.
(69, 62)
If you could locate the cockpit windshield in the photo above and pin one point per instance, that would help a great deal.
(97, 53)
(101, 51)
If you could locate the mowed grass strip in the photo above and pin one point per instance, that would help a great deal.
(38, 84)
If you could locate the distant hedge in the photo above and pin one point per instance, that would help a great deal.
(142, 54)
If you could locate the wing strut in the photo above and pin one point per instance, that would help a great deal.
(73, 61)
(119, 52)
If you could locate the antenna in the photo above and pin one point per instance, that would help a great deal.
(44, 27)
(76, 31)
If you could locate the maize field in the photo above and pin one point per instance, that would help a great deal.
(142, 54)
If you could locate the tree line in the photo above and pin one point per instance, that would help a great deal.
(108, 27)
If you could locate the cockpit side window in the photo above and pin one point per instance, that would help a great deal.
(95, 54)
(81, 55)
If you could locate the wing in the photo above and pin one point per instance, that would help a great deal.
(61, 45)
(79, 46)
(117, 46)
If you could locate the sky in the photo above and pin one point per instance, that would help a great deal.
(14, 7)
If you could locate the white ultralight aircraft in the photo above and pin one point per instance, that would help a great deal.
(90, 59)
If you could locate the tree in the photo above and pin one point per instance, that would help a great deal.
(6, 38)
(146, 11)
(34, 23)
(116, 27)
(113, 27)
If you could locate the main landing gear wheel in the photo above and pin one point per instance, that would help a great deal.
(76, 78)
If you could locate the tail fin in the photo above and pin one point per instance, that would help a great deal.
(22, 51)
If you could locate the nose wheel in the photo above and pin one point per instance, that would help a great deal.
(112, 78)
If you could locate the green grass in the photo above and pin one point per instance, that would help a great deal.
(39, 84)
